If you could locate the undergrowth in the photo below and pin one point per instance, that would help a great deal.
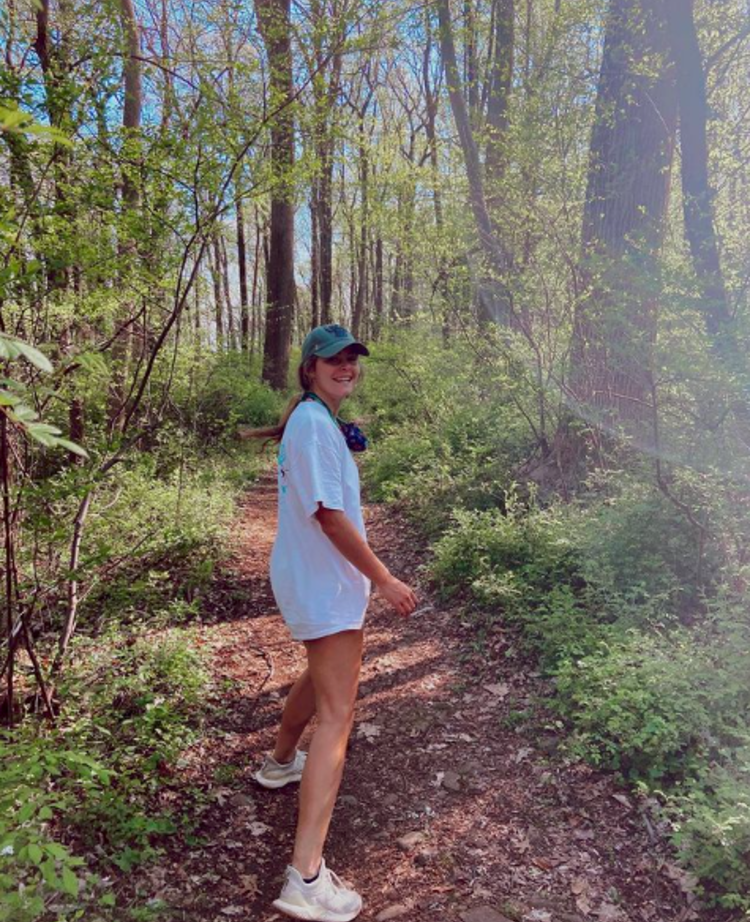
(636, 615)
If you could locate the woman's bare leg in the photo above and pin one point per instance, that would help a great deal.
(299, 708)
(334, 664)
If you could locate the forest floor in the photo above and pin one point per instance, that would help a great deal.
(457, 803)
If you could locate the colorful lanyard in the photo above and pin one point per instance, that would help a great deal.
(356, 440)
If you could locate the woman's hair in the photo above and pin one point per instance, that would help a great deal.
(276, 433)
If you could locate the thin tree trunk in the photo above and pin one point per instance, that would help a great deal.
(215, 264)
(124, 346)
(242, 266)
(471, 65)
(378, 301)
(227, 293)
(314, 256)
(495, 299)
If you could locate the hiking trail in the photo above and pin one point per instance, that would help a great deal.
(454, 805)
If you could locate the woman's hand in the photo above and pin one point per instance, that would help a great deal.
(398, 595)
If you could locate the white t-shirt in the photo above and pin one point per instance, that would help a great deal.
(316, 588)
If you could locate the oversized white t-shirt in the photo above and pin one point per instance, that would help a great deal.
(316, 588)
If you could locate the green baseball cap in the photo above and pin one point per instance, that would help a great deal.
(328, 340)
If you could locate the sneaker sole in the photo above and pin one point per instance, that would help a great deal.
(313, 915)
(275, 785)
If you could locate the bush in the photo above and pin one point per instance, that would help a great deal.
(132, 708)
(640, 550)
(443, 437)
(639, 704)
(711, 819)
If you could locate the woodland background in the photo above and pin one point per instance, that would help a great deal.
(538, 214)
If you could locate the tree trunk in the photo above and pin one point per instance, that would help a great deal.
(471, 66)
(377, 294)
(314, 257)
(495, 300)
(242, 266)
(627, 194)
(697, 195)
(364, 179)
(231, 339)
(215, 264)
(123, 345)
(275, 27)
(498, 98)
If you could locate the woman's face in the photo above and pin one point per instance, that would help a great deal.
(335, 378)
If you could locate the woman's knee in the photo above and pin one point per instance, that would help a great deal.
(338, 714)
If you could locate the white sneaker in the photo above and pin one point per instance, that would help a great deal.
(326, 899)
(273, 774)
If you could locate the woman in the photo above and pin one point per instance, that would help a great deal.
(321, 572)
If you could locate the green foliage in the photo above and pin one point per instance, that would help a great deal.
(443, 437)
(15, 398)
(221, 392)
(711, 817)
(91, 785)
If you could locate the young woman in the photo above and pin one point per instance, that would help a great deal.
(321, 572)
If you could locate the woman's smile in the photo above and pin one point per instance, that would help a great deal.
(334, 378)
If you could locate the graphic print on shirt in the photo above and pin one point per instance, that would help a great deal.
(282, 470)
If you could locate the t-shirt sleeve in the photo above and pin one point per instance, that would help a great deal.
(316, 472)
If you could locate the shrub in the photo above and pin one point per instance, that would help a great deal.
(711, 819)
(132, 708)
(638, 703)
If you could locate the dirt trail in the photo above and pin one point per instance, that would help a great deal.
(451, 808)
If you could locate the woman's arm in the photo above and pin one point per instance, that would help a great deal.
(343, 534)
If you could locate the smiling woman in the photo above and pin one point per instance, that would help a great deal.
(321, 572)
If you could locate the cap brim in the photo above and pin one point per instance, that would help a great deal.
(335, 348)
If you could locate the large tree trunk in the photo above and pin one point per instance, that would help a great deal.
(275, 26)
(498, 98)
(627, 194)
(697, 196)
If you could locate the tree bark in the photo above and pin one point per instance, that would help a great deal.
(124, 345)
(242, 266)
(215, 264)
(627, 194)
(495, 302)
(498, 97)
(697, 195)
(275, 27)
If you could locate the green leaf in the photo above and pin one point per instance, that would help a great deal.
(23, 414)
(71, 446)
(37, 358)
(35, 853)
(69, 882)
(49, 874)
(8, 348)
(26, 812)
(57, 851)
(107, 899)
(39, 435)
